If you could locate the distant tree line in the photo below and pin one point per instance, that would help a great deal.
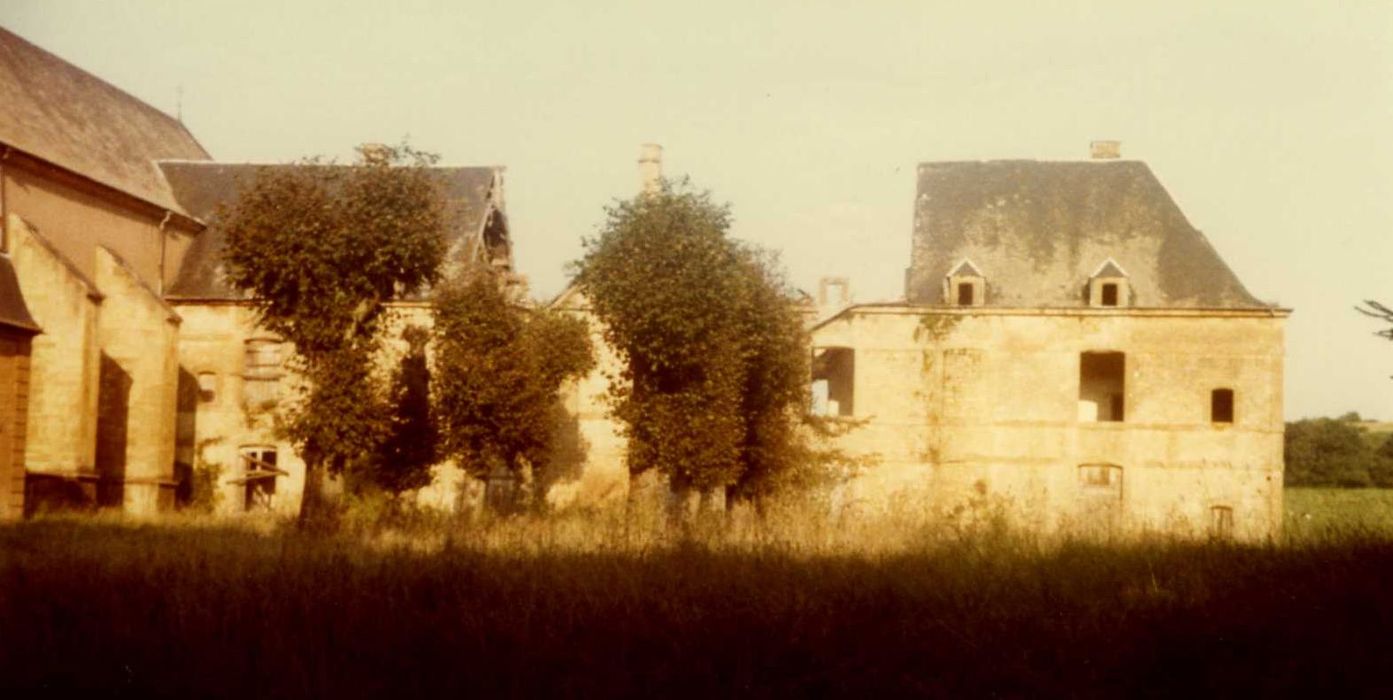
(1337, 452)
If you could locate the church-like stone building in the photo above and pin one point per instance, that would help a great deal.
(125, 361)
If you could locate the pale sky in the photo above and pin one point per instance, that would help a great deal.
(1271, 123)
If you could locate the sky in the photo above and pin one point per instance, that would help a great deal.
(1270, 123)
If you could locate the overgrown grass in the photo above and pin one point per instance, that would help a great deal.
(598, 605)
(1321, 513)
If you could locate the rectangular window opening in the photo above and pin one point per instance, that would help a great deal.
(1110, 294)
(1102, 384)
(1221, 406)
(1221, 522)
(834, 381)
(260, 473)
(966, 294)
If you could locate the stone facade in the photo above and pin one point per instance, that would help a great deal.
(1070, 356)
(126, 363)
(996, 413)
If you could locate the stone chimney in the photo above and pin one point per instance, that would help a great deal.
(1105, 150)
(833, 291)
(650, 168)
(375, 153)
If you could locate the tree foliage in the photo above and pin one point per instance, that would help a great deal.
(715, 355)
(498, 377)
(404, 459)
(1336, 452)
(321, 248)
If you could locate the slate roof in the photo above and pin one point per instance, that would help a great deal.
(1042, 229)
(200, 187)
(71, 118)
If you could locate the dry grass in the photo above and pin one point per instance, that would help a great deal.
(599, 605)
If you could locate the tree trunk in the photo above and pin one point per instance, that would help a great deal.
(314, 507)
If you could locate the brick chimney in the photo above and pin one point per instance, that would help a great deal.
(1105, 150)
(650, 168)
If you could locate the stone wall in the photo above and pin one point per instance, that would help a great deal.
(138, 379)
(77, 222)
(966, 409)
(64, 363)
(14, 399)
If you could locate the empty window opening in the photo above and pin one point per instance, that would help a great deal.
(834, 381)
(1221, 522)
(258, 480)
(1102, 379)
(965, 294)
(1221, 406)
(262, 364)
(1110, 294)
(1100, 475)
(207, 386)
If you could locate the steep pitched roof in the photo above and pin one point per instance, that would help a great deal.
(1042, 227)
(201, 187)
(71, 118)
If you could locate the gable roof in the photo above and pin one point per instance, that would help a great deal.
(1042, 227)
(1109, 268)
(201, 187)
(965, 269)
(64, 115)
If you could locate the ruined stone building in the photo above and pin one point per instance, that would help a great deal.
(1070, 352)
(124, 359)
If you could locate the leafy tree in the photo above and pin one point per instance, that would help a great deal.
(715, 376)
(499, 372)
(404, 459)
(1327, 452)
(321, 249)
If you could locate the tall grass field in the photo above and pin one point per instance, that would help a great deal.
(595, 606)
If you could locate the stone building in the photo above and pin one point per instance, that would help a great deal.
(124, 360)
(1070, 352)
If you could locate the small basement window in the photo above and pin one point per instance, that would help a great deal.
(1102, 384)
(834, 381)
(1221, 406)
(1101, 479)
(1221, 522)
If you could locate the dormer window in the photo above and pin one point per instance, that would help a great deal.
(965, 286)
(1109, 286)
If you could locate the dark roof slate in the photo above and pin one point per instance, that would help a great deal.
(71, 118)
(1042, 227)
(202, 186)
